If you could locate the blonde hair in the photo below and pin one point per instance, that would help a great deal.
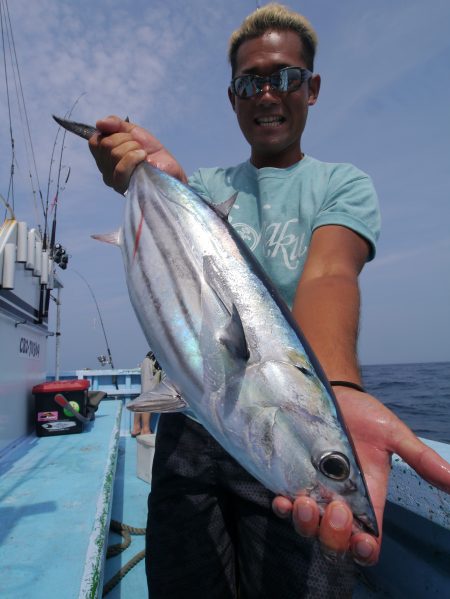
(276, 17)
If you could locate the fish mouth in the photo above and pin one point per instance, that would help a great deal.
(367, 524)
(361, 522)
(271, 121)
(363, 519)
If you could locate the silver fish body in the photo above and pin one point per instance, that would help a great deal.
(230, 346)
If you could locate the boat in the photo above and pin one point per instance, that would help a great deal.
(28, 279)
(83, 483)
(63, 497)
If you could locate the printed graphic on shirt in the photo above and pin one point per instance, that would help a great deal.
(248, 234)
(279, 241)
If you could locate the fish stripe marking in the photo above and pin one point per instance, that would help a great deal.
(168, 332)
(171, 234)
(182, 252)
(138, 235)
(174, 236)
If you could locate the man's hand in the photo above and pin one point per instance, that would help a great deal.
(377, 433)
(120, 146)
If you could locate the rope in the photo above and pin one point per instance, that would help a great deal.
(126, 531)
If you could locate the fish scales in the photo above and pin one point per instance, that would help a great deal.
(267, 413)
(230, 346)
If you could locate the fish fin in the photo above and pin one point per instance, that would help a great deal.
(114, 238)
(232, 334)
(163, 398)
(300, 361)
(223, 209)
(233, 338)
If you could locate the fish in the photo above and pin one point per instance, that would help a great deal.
(229, 345)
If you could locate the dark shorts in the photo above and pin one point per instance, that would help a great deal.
(212, 534)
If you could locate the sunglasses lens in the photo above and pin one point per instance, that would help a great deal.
(288, 79)
(244, 87)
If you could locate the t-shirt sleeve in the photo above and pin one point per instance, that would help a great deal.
(352, 202)
(197, 182)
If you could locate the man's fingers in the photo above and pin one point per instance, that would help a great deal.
(305, 516)
(119, 146)
(336, 528)
(113, 124)
(426, 462)
(116, 155)
(282, 507)
(125, 167)
(365, 549)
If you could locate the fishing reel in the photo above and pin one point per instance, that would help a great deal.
(104, 360)
(60, 256)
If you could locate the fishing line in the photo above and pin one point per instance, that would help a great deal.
(99, 315)
(49, 181)
(8, 207)
(21, 97)
(11, 178)
(7, 33)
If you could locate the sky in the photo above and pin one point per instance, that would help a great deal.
(384, 106)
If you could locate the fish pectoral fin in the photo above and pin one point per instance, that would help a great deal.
(232, 334)
(300, 361)
(163, 398)
(114, 238)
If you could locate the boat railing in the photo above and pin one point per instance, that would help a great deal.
(115, 382)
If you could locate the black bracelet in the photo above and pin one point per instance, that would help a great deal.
(347, 384)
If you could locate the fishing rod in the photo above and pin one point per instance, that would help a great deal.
(44, 305)
(109, 359)
(9, 49)
(58, 183)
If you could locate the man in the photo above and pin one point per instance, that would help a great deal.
(211, 530)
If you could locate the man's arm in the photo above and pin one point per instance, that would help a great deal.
(327, 300)
(326, 307)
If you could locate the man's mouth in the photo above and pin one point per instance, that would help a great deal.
(270, 121)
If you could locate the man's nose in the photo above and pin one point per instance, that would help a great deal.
(268, 95)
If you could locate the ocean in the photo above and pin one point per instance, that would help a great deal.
(419, 394)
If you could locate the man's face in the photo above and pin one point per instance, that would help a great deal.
(273, 122)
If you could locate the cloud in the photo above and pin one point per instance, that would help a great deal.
(440, 247)
(367, 54)
(164, 64)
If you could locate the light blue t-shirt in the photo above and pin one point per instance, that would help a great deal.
(277, 210)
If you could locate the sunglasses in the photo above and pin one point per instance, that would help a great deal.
(288, 80)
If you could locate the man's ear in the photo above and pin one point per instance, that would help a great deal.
(314, 88)
(232, 99)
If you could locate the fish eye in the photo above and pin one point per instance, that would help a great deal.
(334, 465)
